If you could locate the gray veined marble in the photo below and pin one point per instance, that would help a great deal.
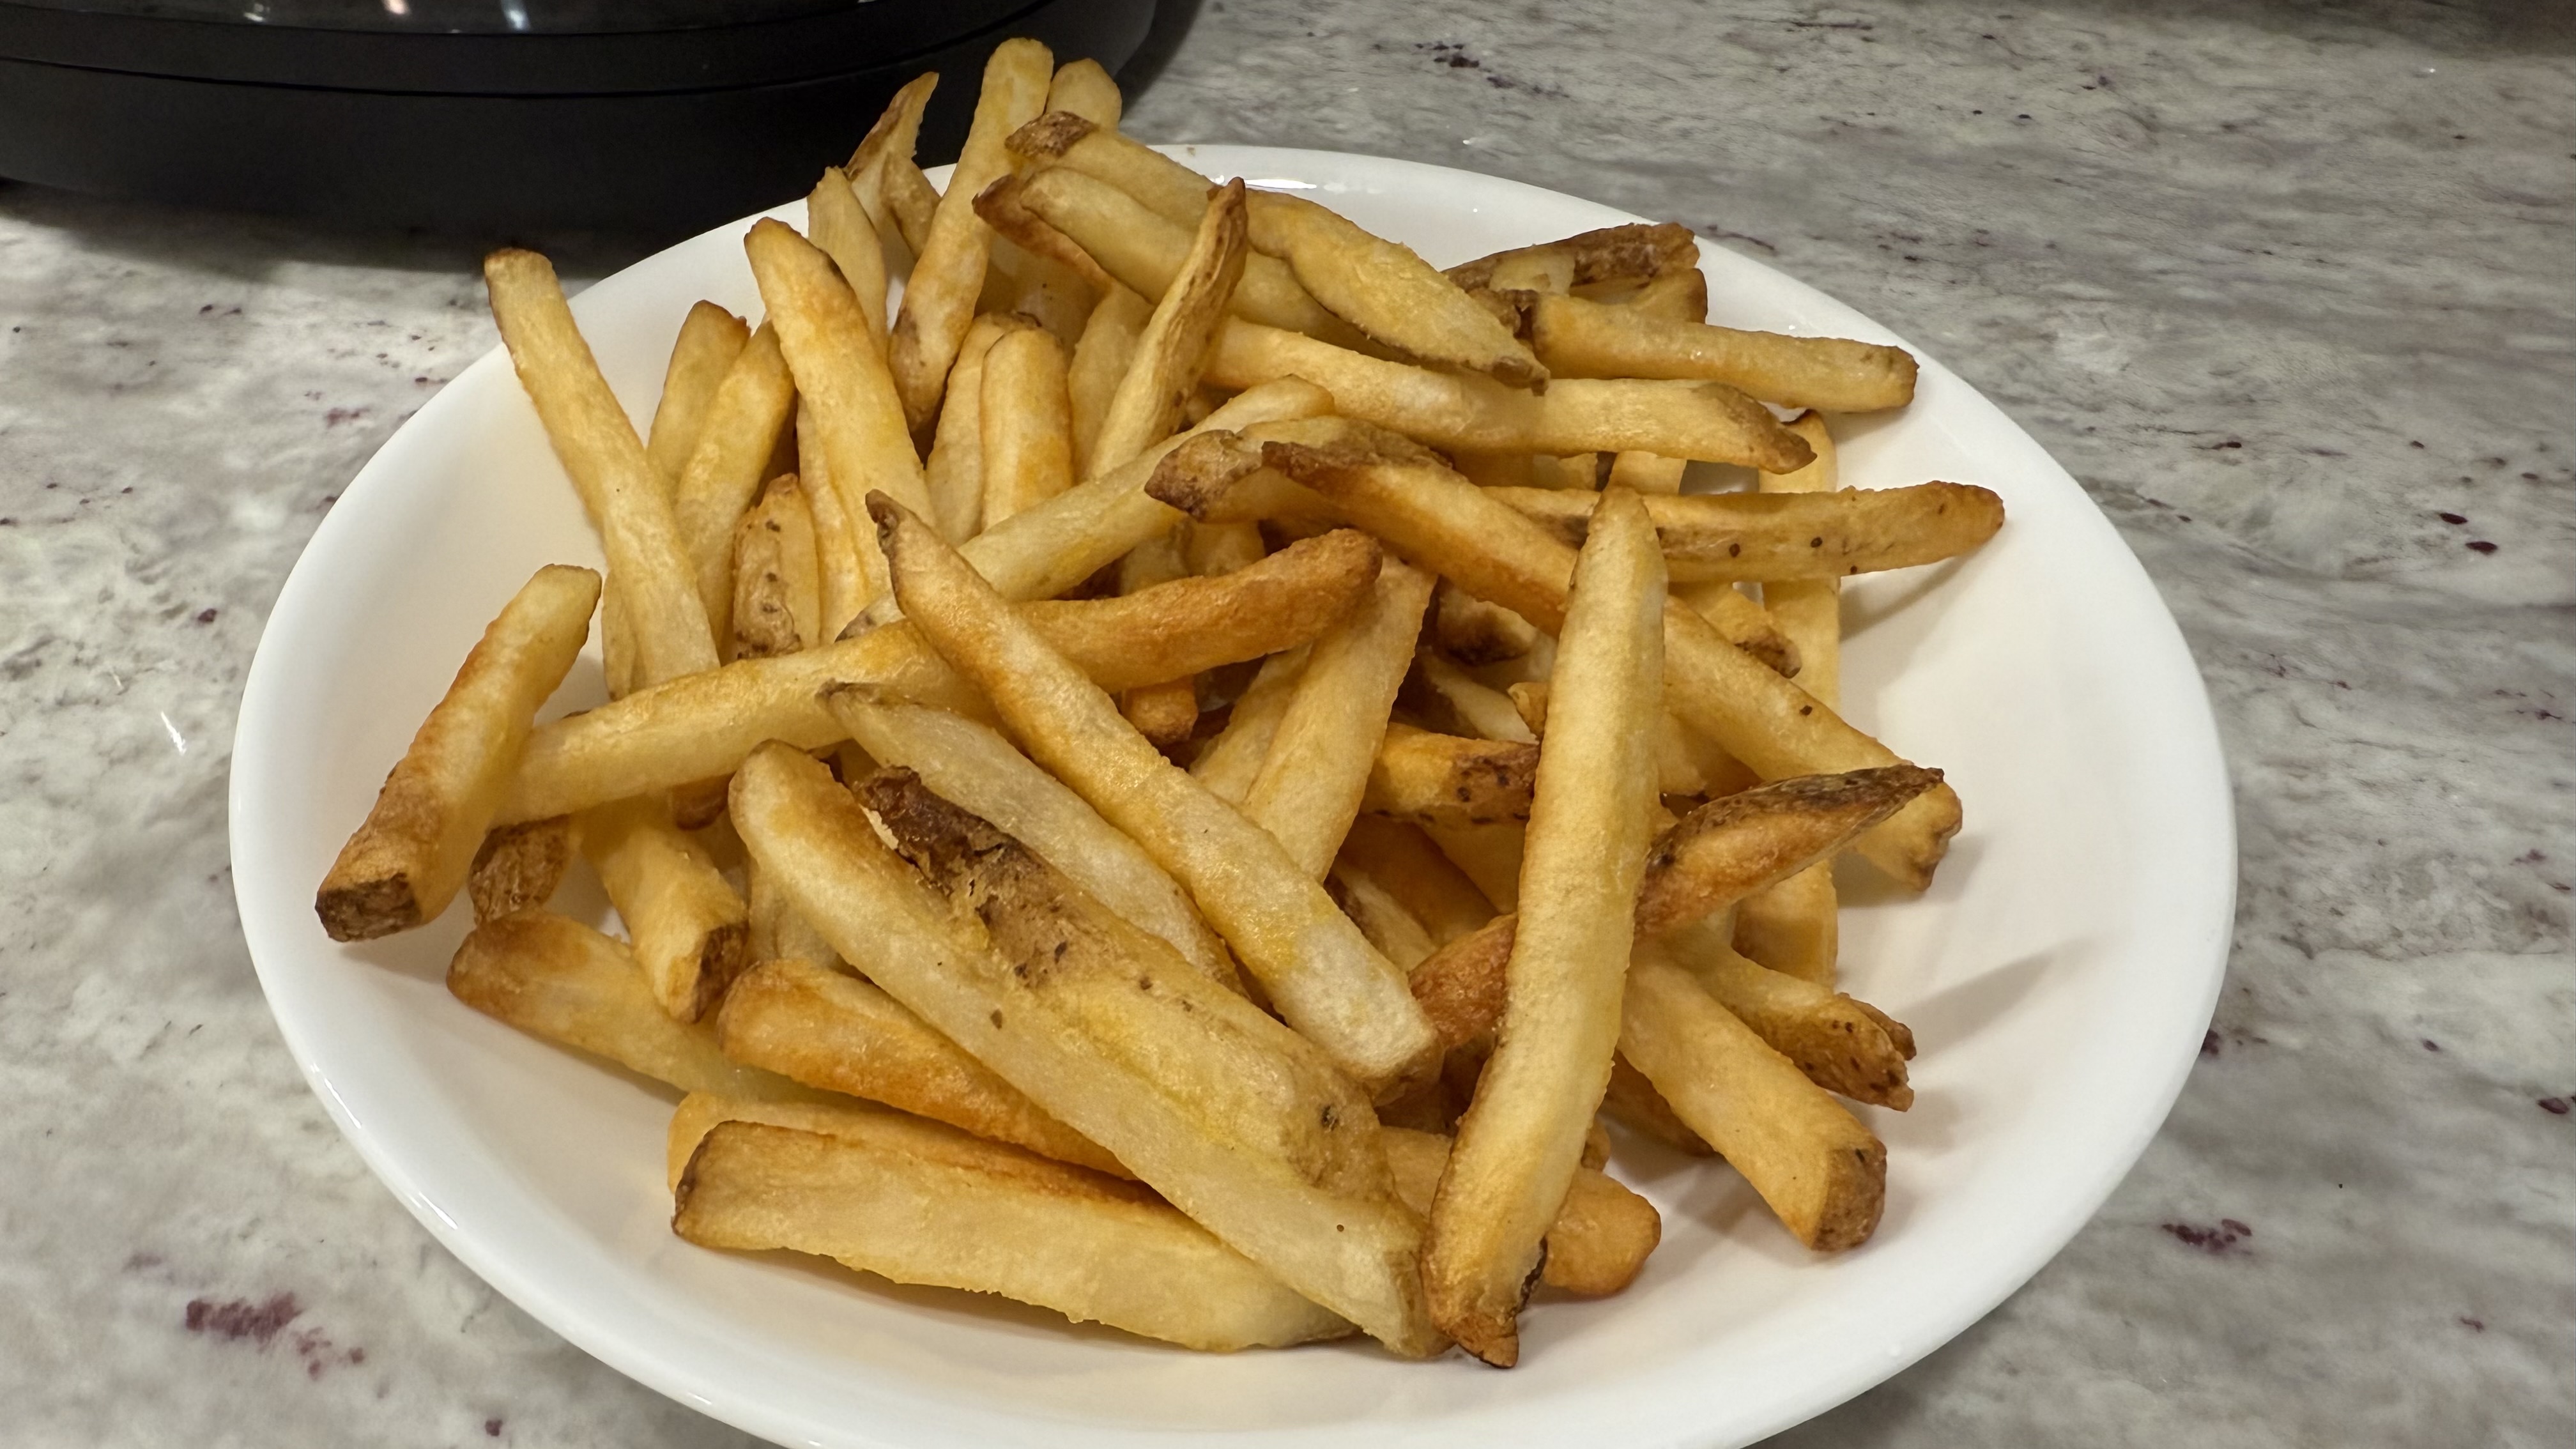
(2287, 285)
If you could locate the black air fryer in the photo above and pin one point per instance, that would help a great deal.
(655, 116)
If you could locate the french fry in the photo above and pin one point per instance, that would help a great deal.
(778, 589)
(872, 168)
(1634, 251)
(1676, 296)
(1221, 548)
(811, 1024)
(1844, 1045)
(702, 726)
(687, 923)
(1100, 359)
(710, 339)
(1434, 779)
(939, 299)
(1228, 764)
(1794, 926)
(837, 223)
(724, 472)
(1165, 712)
(981, 772)
(840, 376)
(1165, 186)
(1232, 1117)
(1172, 351)
(1144, 250)
(1578, 338)
(1388, 291)
(1489, 855)
(1686, 763)
(1441, 521)
(1045, 550)
(699, 1112)
(777, 932)
(1026, 423)
(1523, 1135)
(1381, 918)
(1706, 420)
(916, 1203)
(1633, 1103)
(1478, 708)
(1597, 1242)
(914, 203)
(1322, 975)
(1820, 1171)
(1472, 631)
(954, 473)
(519, 868)
(1404, 862)
(838, 549)
(1650, 476)
(1084, 88)
(1720, 853)
(553, 977)
(1321, 760)
(596, 443)
(413, 852)
(1743, 623)
(1792, 536)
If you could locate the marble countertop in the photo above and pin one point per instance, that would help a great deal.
(2288, 286)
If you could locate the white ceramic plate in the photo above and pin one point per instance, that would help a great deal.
(2058, 976)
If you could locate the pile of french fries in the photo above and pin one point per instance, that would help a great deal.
(1178, 774)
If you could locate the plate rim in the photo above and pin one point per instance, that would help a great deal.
(2208, 795)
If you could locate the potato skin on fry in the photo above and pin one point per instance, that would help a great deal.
(1434, 779)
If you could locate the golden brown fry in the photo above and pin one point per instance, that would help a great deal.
(556, 978)
(914, 204)
(1454, 411)
(838, 549)
(979, 771)
(1489, 855)
(1523, 1136)
(841, 377)
(1586, 339)
(897, 131)
(1441, 521)
(1320, 761)
(1685, 762)
(1004, 207)
(1743, 623)
(1678, 296)
(917, 1203)
(1100, 360)
(1381, 917)
(1462, 985)
(1173, 349)
(1228, 764)
(939, 299)
(1598, 1241)
(1635, 250)
(1650, 475)
(954, 473)
(1794, 926)
(1735, 845)
(1633, 1103)
(1323, 976)
(710, 339)
(592, 436)
(778, 586)
(407, 860)
(519, 867)
(701, 727)
(1843, 1045)
(686, 922)
(724, 472)
(1784, 536)
(778, 933)
(1449, 780)
(1232, 1117)
(838, 224)
(1403, 861)
(1477, 708)
(1472, 631)
(699, 1112)
(1819, 1169)
(1388, 291)
(1084, 88)
(813, 1025)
